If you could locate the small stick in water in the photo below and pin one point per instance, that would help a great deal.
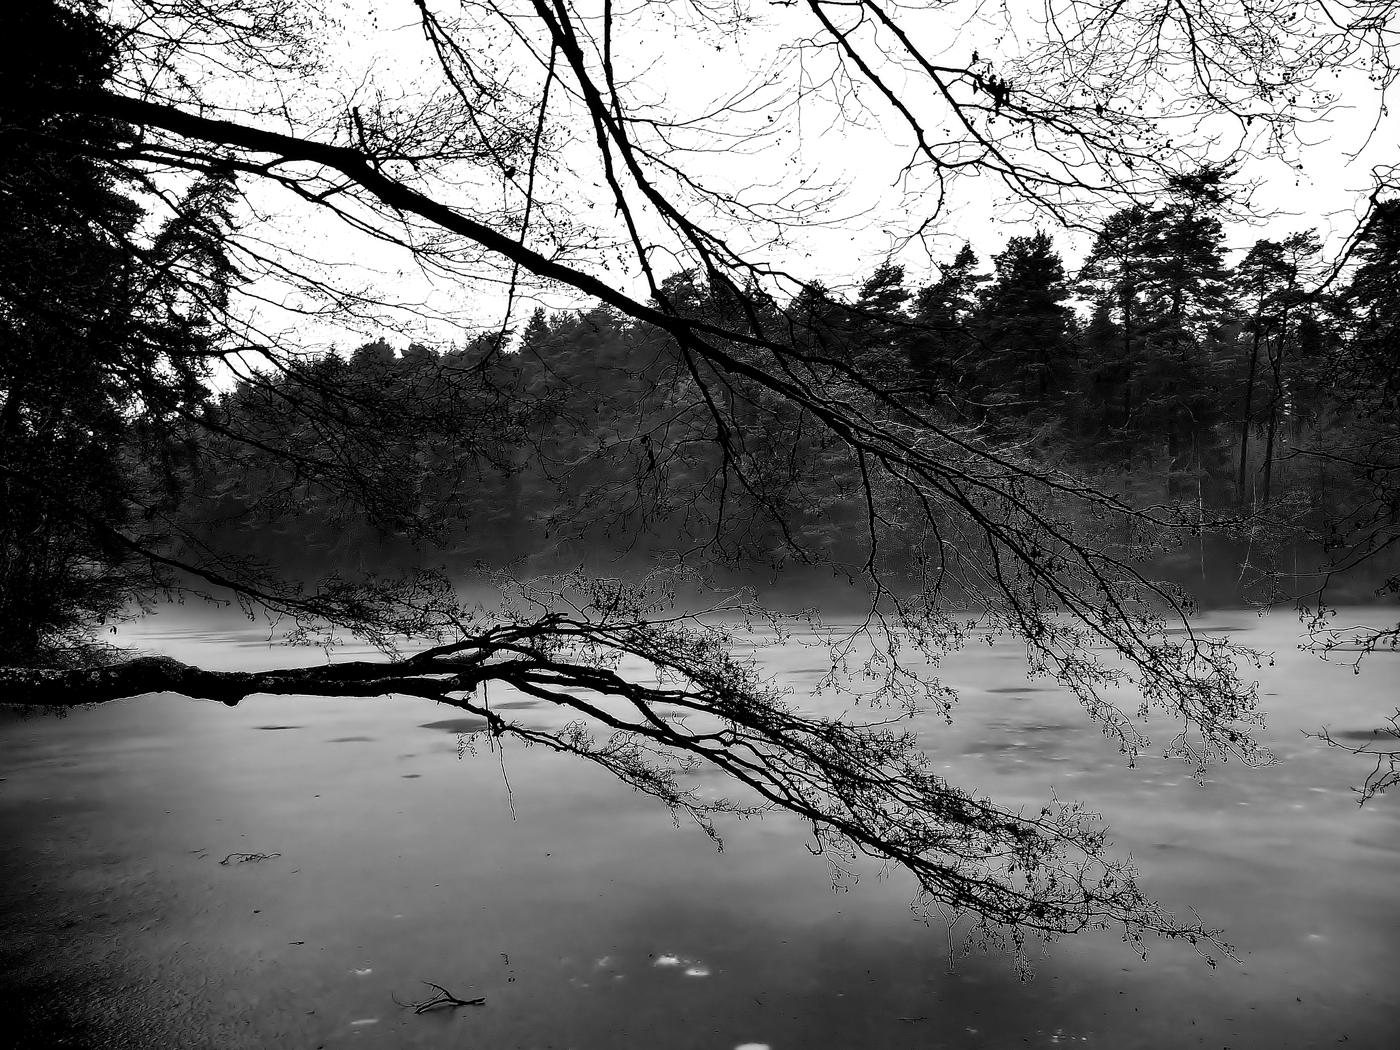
(442, 998)
(244, 858)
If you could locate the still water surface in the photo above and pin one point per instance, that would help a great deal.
(587, 918)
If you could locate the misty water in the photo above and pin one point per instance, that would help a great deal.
(586, 917)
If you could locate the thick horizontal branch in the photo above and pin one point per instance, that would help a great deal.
(53, 687)
(357, 167)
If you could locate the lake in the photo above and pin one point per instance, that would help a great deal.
(587, 918)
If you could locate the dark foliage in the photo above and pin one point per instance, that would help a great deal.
(103, 341)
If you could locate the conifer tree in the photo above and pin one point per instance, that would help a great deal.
(1026, 329)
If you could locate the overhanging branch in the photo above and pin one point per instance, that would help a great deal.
(66, 688)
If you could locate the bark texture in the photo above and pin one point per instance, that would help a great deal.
(49, 687)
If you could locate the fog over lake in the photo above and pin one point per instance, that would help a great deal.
(392, 855)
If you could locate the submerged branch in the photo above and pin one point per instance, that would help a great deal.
(440, 997)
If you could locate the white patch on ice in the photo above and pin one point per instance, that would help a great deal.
(668, 960)
(698, 970)
(605, 961)
(363, 973)
(753, 1046)
(364, 1021)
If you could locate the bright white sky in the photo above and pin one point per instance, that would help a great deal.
(381, 44)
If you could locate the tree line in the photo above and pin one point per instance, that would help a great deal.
(1263, 391)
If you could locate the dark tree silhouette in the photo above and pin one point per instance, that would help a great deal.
(1373, 358)
(1027, 328)
(107, 338)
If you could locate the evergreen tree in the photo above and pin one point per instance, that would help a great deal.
(1372, 359)
(1282, 326)
(1162, 273)
(1026, 329)
(1101, 407)
(104, 337)
(944, 346)
(879, 329)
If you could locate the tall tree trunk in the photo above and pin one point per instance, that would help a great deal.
(1181, 424)
(1129, 295)
(1175, 450)
(1269, 454)
(1274, 360)
(1248, 408)
(1276, 348)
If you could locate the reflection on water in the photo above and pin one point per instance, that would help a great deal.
(470, 724)
(587, 918)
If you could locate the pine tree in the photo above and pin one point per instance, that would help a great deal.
(1162, 270)
(944, 347)
(104, 339)
(1281, 323)
(1026, 329)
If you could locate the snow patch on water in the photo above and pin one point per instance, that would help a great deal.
(693, 967)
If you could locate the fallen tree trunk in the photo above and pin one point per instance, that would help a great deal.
(64, 688)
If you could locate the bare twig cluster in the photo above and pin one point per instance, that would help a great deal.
(440, 998)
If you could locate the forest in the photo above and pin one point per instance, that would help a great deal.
(1261, 396)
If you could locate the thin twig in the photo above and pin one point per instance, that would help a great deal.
(442, 998)
(244, 858)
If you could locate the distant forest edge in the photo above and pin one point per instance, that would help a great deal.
(1263, 399)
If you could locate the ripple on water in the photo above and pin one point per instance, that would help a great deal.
(457, 725)
(1229, 628)
(1367, 736)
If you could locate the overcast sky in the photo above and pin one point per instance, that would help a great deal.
(852, 152)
